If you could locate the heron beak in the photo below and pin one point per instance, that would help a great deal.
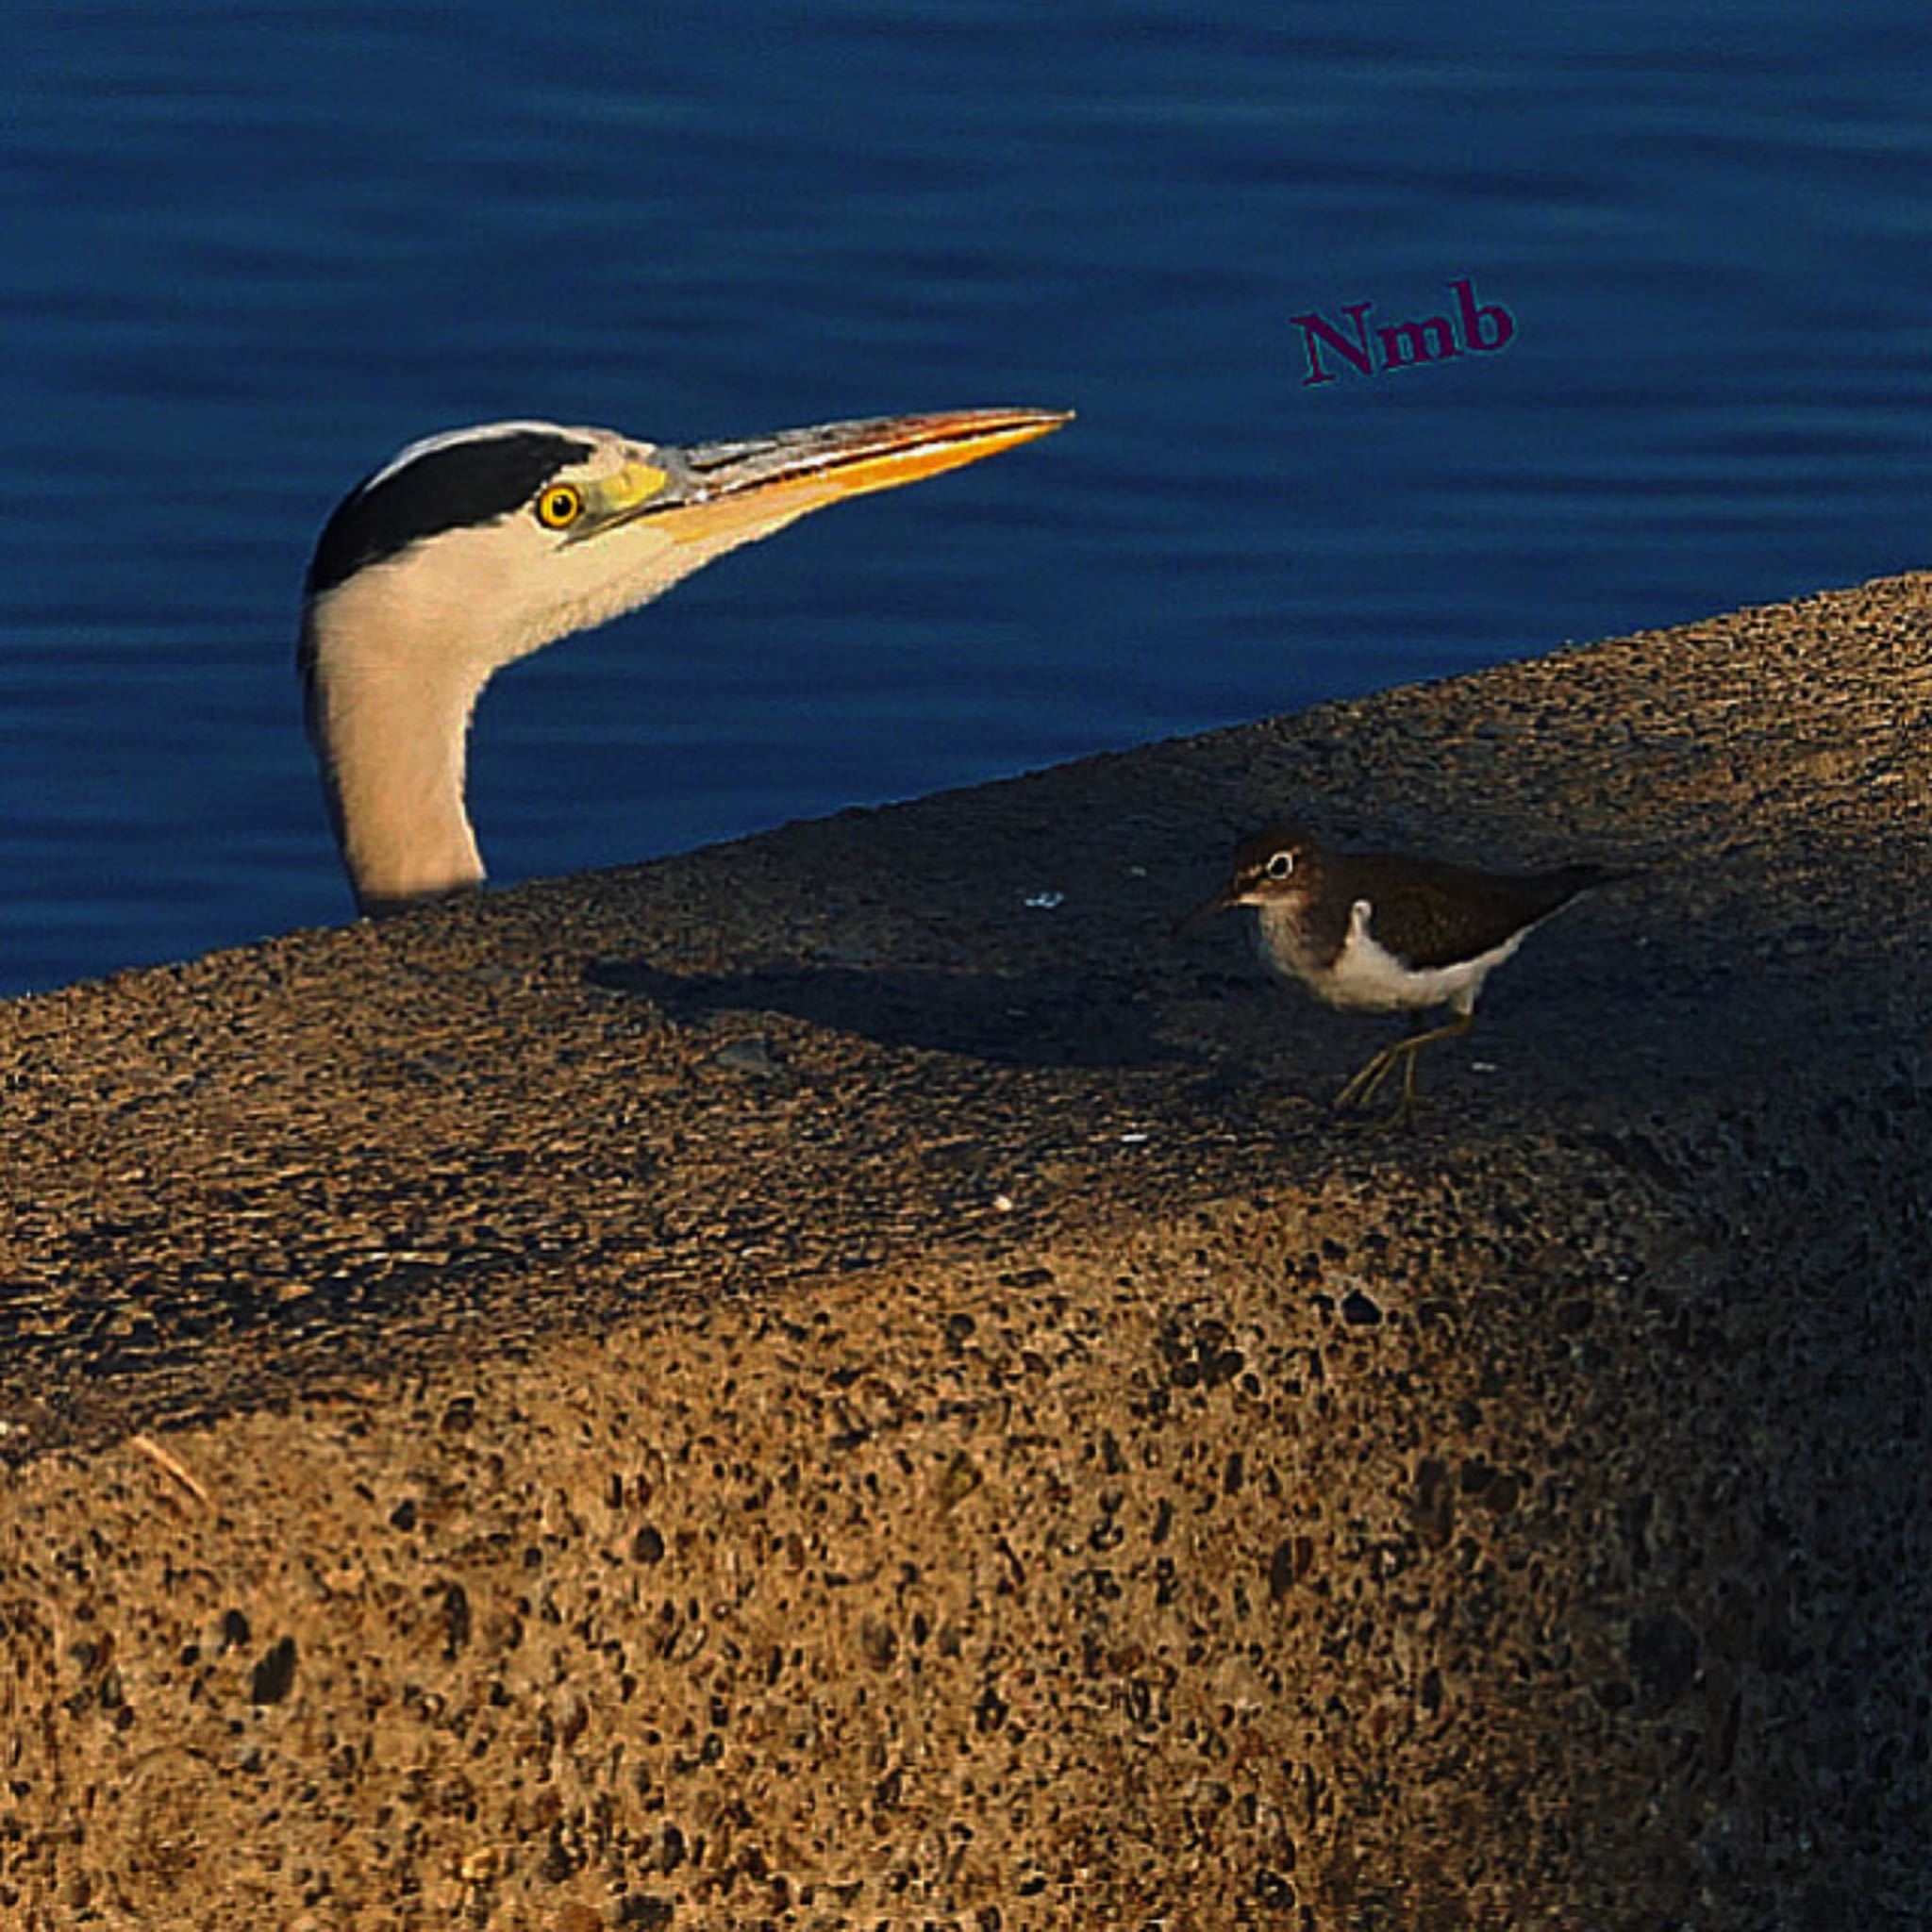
(725, 492)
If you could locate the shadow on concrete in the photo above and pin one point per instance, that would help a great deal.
(1075, 1018)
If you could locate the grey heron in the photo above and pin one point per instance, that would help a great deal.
(471, 549)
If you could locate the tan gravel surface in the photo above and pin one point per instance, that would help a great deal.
(853, 1378)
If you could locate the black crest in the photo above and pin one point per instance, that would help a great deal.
(475, 480)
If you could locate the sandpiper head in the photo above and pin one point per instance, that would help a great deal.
(1281, 864)
(1278, 866)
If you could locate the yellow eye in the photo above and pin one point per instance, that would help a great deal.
(559, 507)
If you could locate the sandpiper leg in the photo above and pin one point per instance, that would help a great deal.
(1368, 1079)
(1367, 1082)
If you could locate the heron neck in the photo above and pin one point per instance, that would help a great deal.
(391, 719)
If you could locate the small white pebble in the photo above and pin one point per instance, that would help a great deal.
(1045, 902)
(1003, 1203)
(1483, 1067)
(1134, 1140)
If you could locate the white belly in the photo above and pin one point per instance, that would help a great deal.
(1366, 977)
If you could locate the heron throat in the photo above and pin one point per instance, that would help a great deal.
(391, 729)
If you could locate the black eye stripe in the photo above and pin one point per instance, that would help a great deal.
(452, 487)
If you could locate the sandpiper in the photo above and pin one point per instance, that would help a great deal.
(1380, 932)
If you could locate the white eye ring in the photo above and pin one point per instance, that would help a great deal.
(1280, 866)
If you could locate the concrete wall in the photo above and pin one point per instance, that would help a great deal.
(796, 1387)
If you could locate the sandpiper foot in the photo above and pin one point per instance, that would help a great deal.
(1367, 1082)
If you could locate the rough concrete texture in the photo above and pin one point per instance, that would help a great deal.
(817, 1384)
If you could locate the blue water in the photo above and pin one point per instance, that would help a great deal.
(250, 253)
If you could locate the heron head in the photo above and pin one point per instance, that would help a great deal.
(472, 548)
(499, 539)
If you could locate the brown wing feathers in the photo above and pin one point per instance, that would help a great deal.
(1430, 915)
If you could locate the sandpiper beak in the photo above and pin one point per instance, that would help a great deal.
(1225, 900)
(707, 491)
